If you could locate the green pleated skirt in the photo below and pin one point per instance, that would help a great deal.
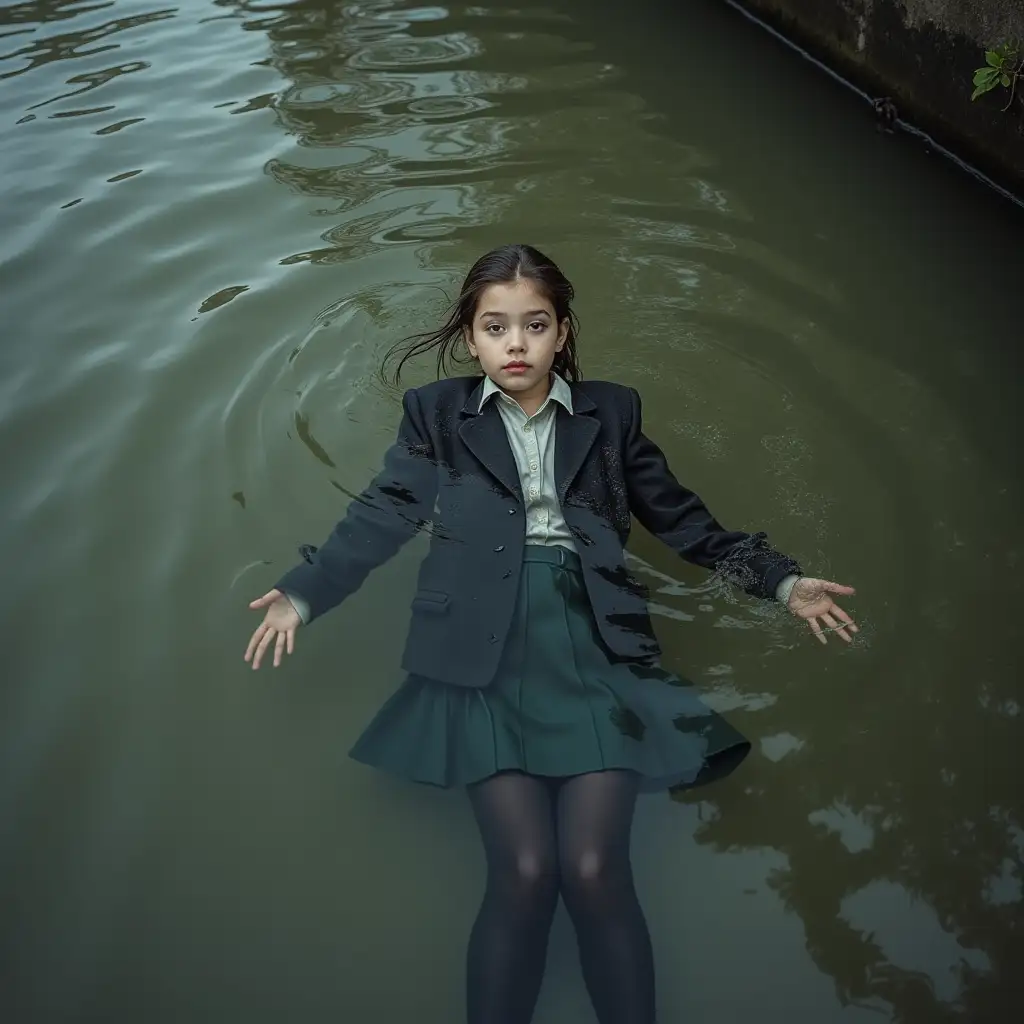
(557, 707)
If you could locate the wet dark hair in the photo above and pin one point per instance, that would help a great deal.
(505, 265)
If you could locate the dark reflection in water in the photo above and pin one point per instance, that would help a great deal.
(928, 816)
(368, 85)
(73, 45)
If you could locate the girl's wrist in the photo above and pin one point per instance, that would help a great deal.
(785, 588)
(301, 607)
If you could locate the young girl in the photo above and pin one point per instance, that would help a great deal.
(533, 674)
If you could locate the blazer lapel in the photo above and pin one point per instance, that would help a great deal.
(575, 435)
(484, 435)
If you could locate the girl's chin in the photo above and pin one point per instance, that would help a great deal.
(516, 385)
(521, 380)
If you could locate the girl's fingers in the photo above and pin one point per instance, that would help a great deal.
(261, 640)
(835, 627)
(816, 630)
(254, 639)
(269, 598)
(838, 588)
(264, 644)
(260, 644)
(836, 610)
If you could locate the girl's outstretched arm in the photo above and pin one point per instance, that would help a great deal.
(678, 518)
(379, 521)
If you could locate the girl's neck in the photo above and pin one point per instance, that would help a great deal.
(532, 399)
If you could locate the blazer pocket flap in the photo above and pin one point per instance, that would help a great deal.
(430, 601)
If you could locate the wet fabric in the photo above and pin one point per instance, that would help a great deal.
(558, 705)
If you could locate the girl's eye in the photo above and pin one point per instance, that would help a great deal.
(538, 325)
(491, 328)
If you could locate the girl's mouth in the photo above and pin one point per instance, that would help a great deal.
(516, 367)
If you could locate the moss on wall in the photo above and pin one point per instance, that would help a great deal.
(923, 54)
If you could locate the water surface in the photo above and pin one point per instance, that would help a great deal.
(217, 217)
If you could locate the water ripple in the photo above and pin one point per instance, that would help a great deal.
(412, 53)
(73, 45)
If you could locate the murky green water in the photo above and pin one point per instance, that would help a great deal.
(215, 219)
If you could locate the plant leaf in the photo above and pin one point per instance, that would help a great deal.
(983, 75)
(984, 87)
(1005, 79)
(994, 58)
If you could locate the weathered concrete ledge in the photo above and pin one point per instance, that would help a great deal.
(923, 54)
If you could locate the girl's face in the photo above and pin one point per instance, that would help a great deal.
(515, 336)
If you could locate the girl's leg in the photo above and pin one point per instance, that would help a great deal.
(508, 944)
(594, 818)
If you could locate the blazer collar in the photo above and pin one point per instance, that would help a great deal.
(570, 396)
(559, 392)
(483, 432)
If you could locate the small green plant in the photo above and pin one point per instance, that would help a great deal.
(1004, 67)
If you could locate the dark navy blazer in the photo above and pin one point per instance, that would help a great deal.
(452, 471)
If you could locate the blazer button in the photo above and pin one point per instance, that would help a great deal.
(493, 639)
(505, 575)
(500, 547)
(511, 511)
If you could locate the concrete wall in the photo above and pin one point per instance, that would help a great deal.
(923, 54)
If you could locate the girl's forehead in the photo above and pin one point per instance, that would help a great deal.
(513, 297)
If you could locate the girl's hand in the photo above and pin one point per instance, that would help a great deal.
(278, 627)
(811, 599)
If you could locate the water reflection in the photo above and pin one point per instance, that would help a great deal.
(385, 100)
(63, 46)
(901, 833)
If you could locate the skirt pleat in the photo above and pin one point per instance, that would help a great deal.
(558, 706)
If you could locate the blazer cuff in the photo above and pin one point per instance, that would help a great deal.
(301, 606)
(785, 588)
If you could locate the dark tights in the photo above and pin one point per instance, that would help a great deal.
(544, 837)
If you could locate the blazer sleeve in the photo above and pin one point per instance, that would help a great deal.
(678, 518)
(387, 514)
